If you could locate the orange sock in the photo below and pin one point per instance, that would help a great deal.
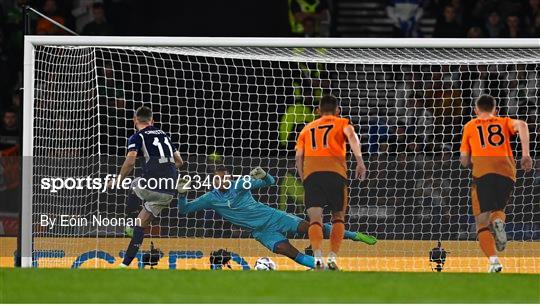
(315, 233)
(336, 235)
(487, 243)
(497, 214)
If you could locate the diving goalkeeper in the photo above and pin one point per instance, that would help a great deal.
(235, 203)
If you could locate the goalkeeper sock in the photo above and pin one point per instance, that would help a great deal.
(497, 214)
(336, 235)
(134, 245)
(132, 206)
(315, 234)
(487, 243)
(327, 227)
(305, 260)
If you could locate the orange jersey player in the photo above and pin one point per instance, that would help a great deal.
(486, 148)
(320, 161)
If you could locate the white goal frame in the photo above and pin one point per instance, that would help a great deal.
(31, 42)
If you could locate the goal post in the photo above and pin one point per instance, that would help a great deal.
(241, 102)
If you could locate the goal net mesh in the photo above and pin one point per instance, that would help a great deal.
(244, 107)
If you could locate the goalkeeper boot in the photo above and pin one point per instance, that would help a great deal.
(121, 266)
(495, 266)
(499, 233)
(331, 263)
(367, 239)
(128, 231)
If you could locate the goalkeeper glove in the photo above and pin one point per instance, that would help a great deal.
(183, 186)
(258, 173)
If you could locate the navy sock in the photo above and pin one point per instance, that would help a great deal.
(327, 227)
(305, 260)
(132, 206)
(134, 245)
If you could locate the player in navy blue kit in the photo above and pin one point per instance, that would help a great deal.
(156, 187)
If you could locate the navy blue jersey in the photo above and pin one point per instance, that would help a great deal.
(157, 149)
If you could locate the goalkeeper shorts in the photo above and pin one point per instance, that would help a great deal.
(276, 229)
(153, 201)
(326, 189)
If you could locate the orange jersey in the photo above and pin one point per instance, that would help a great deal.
(487, 141)
(324, 143)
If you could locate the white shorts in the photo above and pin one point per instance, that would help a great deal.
(153, 201)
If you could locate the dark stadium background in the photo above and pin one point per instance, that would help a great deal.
(270, 18)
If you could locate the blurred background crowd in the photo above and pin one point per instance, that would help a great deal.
(447, 91)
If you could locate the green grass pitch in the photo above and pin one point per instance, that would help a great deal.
(168, 286)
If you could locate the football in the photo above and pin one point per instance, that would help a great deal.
(265, 263)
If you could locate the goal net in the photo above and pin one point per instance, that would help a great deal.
(244, 107)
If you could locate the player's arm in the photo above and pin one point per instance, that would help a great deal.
(178, 161)
(134, 145)
(522, 129)
(185, 207)
(128, 165)
(259, 179)
(465, 150)
(354, 143)
(299, 161)
(465, 159)
(299, 156)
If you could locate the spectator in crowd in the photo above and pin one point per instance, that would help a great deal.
(5, 82)
(532, 17)
(378, 134)
(16, 99)
(460, 12)
(448, 27)
(310, 27)
(405, 16)
(481, 10)
(419, 120)
(2, 18)
(532, 11)
(513, 28)
(99, 26)
(45, 27)
(494, 25)
(475, 32)
(400, 140)
(9, 132)
(82, 12)
(13, 46)
(432, 194)
(308, 11)
(535, 29)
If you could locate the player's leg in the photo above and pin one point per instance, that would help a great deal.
(314, 199)
(481, 204)
(145, 218)
(315, 234)
(497, 226)
(336, 237)
(504, 190)
(287, 249)
(154, 203)
(276, 242)
(303, 227)
(132, 208)
(338, 204)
